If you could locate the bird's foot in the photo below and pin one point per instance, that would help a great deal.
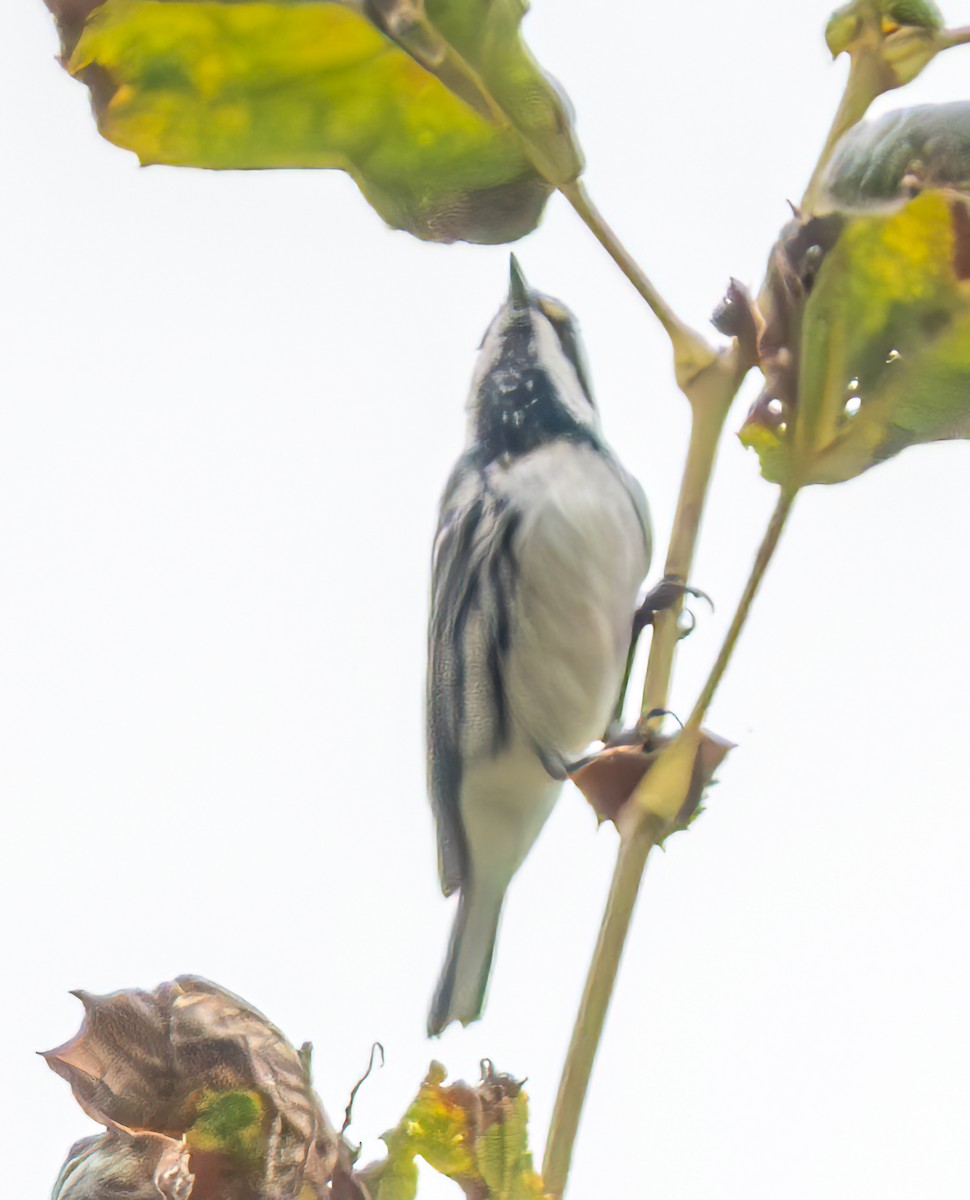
(558, 768)
(664, 596)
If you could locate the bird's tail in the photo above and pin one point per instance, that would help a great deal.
(460, 994)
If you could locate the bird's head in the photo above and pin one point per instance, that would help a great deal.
(531, 383)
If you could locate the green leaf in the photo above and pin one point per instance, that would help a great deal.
(477, 1137)
(504, 1161)
(440, 114)
(882, 351)
(487, 36)
(884, 160)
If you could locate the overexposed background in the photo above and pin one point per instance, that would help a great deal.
(228, 403)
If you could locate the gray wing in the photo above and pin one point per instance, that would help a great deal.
(473, 572)
(639, 500)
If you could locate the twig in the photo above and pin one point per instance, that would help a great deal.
(692, 352)
(766, 550)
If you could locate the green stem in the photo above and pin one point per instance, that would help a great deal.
(769, 543)
(710, 382)
(955, 37)
(710, 393)
(861, 88)
(705, 435)
(692, 352)
(630, 864)
(637, 840)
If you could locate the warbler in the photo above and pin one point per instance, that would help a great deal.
(543, 541)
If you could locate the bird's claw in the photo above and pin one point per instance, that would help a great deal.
(558, 768)
(663, 596)
(661, 712)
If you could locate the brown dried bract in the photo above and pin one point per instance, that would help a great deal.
(609, 779)
(792, 267)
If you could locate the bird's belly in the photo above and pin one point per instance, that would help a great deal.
(505, 800)
(582, 557)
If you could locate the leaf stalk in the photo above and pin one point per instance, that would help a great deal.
(862, 87)
(692, 352)
(955, 37)
(769, 544)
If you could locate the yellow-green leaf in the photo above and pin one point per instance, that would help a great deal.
(442, 117)
(883, 347)
(477, 1137)
(486, 35)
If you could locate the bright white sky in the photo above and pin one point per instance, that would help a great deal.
(229, 403)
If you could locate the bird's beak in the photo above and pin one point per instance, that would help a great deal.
(519, 296)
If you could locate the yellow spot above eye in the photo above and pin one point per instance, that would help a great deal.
(889, 26)
(552, 310)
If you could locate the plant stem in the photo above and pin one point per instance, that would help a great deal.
(705, 434)
(955, 37)
(769, 543)
(710, 394)
(710, 382)
(692, 352)
(630, 864)
(861, 88)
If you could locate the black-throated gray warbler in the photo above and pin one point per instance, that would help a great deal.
(543, 541)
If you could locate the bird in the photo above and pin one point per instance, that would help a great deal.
(543, 541)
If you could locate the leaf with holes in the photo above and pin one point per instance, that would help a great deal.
(878, 353)
(436, 109)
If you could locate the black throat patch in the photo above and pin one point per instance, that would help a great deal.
(519, 408)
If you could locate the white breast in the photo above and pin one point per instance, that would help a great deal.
(582, 552)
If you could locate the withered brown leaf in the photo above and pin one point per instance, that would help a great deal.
(119, 1163)
(155, 1061)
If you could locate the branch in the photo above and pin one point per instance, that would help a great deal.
(630, 864)
(710, 394)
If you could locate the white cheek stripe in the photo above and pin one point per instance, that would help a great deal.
(562, 373)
